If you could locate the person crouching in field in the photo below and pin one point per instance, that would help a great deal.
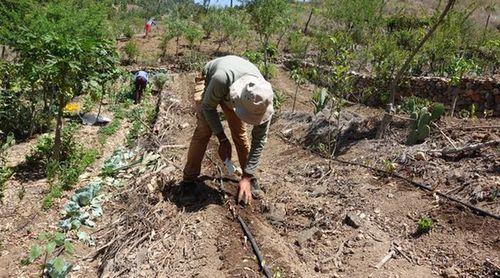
(245, 97)
(148, 26)
(141, 80)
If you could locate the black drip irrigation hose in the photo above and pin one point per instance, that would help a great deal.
(246, 230)
(424, 187)
(255, 247)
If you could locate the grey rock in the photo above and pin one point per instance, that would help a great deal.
(305, 236)
(352, 220)
(277, 212)
(450, 272)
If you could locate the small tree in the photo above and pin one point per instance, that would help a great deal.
(268, 17)
(193, 33)
(132, 51)
(175, 29)
(400, 73)
(458, 68)
(64, 43)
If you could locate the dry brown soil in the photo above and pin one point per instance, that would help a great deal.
(300, 225)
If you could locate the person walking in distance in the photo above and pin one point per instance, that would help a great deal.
(237, 86)
(149, 25)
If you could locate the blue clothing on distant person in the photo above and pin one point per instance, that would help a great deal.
(142, 74)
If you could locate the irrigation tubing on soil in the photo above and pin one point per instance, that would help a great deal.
(424, 187)
(246, 230)
(255, 247)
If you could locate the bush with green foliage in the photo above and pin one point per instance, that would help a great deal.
(61, 46)
(62, 173)
(56, 267)
(159, 81)
(268, 17)
(193, 33)
(131, 50)
(174, 29)
(5, 171)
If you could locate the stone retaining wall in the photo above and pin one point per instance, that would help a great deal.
(483, 92)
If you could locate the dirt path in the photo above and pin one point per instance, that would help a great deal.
(300, 225)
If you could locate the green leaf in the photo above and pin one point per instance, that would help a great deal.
(68, 247)
(34, 253)
(59, 239)
(58, 268)
(50, 247)
(58, 264)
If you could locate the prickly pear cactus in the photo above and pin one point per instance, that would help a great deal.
(437, 111)
(419, 127)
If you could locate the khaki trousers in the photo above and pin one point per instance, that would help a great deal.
(202, 135)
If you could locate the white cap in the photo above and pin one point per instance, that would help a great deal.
(252, 99)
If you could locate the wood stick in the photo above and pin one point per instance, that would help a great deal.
(482, 127)
(471, 147)
(445, 136)
(385, 259)
(174, 146)
(400, 251)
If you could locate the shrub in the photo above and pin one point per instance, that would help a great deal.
(175, 29)
(74, 159)
(159, 81)
(131, 50)
(193, 34)
(297, 43)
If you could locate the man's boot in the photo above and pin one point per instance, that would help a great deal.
(257, 192)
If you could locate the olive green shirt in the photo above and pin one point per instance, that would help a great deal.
(219, 75)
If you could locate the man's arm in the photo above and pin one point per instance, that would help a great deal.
(259, 139)
(214, 93)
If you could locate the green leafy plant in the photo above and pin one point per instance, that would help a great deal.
(320, 99)
(297, 76)
(58, 268)
(128, 32)
(5, 172)
(268, 17)
(389, 166)
(278, 100)
(175, 29)
(424, 225)
(159, 81)
(65, 173)
(193, 33)
(437, 111)
(131, 50)
(50, 242)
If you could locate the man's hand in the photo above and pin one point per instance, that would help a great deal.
(244, 190)
(224, 147)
